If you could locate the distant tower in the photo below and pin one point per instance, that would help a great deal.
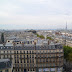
(66, 34)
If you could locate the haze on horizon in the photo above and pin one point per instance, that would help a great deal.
(35, 14)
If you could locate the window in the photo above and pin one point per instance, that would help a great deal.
(27, 56)
(15, 60)
(40, 56)
(33, 69)
(7, 51)
(8, 41)
(27, 60)
(50, 51)
(59, 55)
(17, 56)
(10, 51)
(40, 52)
(32, 56)
(21, 60)
(7, 56)
(17, 52)
(47, 56)
(30, 52)
(24, 60)
(46, 60)
(30, 60)
(50, 55)
(20, 51)
(27, 52)
(31, 42)
(28, 42)
(10, 56)
(28, 69)
(24, 56)
(43, 51)
(53, 51)
(27, 65)
(40, 60)
(24, 52)
(47, 51)
(43, 60)
(14, 51)
(17, 43)
(4, 51)
(6, 70)
(53, 64)
(33, 60)
(20, 56)
(43, 56)
(4, 56)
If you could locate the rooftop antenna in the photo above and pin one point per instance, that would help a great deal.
(66, 34)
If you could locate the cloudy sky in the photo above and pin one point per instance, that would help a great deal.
(35, 14)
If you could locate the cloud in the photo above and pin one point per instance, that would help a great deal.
(36, 13)
(3, 14)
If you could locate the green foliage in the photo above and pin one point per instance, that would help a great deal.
(37, 35)
(41, 36)
(68, 53)
(49, 38)
(70, 56)
(2, 37)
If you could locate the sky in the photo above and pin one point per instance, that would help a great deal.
(35, 14)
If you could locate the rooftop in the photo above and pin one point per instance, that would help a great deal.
(32, 47)
(5, 63)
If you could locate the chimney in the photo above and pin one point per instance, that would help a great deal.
(14, 44)
(35, 45)
(48, 42)
(4, 44)
(22, 44)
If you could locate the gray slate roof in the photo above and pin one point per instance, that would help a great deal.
(32, 47)
(5, 63)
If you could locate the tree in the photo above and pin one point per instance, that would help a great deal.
(49, 38)
(2, 37)
(68, 53)
(70, 57)
(40, 36)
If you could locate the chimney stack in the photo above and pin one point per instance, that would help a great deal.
(48, 42)
(14, 44)
(22, 44)
(35, 45)
(4, 44)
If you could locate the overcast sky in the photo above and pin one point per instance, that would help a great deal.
(35, 14)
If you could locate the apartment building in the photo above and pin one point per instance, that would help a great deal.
(5, 65)
(34, 58)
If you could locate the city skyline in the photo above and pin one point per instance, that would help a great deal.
(35, 14)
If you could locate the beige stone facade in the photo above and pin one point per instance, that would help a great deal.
(34, 58)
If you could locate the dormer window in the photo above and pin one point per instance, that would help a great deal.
(17, 43)
(8, 41)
